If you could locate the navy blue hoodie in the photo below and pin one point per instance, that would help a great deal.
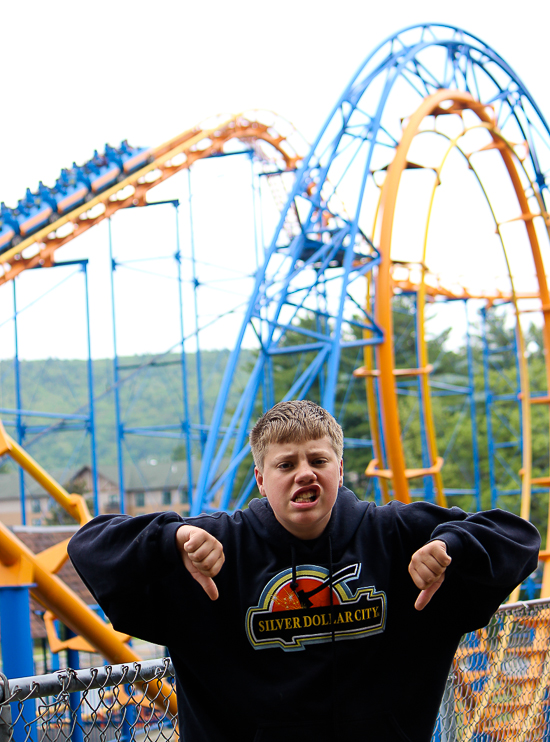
(309, 640)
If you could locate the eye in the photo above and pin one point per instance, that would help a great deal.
(319, 462)
(284, 465)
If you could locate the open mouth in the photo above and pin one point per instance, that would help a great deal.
(309, 495)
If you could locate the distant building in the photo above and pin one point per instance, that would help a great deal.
(154, 486)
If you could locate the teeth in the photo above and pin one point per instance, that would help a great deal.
(305, 497)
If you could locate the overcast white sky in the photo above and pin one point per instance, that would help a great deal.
(76, 75)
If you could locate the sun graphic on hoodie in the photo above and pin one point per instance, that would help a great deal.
(305, 595)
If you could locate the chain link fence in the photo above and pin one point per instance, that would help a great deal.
(127, 703)
(497, 690)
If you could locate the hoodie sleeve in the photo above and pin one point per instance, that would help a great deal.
(493, 548)
(130, 565)
(492, 552)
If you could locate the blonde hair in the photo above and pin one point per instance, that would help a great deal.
(293, 422)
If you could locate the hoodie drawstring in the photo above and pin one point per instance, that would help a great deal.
(294, 583)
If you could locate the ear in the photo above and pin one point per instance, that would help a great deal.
(341, 481)
(259, 481)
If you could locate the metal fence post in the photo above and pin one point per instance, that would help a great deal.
(5, 723)
(5, 712)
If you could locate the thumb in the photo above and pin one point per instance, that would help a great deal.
(426, 595)
(207, 584)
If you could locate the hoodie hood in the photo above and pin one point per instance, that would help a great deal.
(346, 517)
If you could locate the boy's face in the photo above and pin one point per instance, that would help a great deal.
(301, 482)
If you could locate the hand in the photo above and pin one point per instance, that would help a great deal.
(427, 568)
(202, 556)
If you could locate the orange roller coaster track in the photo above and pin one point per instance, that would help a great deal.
(432, 106)
(178, 153)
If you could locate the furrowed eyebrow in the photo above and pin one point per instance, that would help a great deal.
(292, 456)
(279, 459)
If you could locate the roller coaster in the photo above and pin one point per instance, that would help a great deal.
(433, 120)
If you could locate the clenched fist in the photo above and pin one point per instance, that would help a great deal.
(427, 569)
(202, 556)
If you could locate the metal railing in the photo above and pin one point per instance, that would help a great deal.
(498, 690)
(127, 703)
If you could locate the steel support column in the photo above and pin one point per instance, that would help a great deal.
(116, 385)
(17, 646)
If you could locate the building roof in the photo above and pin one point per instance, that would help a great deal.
(38, 538)
(144, 477)
(150, 475)
(9, 485)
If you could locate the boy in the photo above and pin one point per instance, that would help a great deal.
(311, 615)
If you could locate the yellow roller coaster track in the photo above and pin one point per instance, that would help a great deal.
(18, 565)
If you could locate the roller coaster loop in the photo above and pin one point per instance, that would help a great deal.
(418, 84)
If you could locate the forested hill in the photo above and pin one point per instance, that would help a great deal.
(151, 395)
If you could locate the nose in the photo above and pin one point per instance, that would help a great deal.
(304, 473)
